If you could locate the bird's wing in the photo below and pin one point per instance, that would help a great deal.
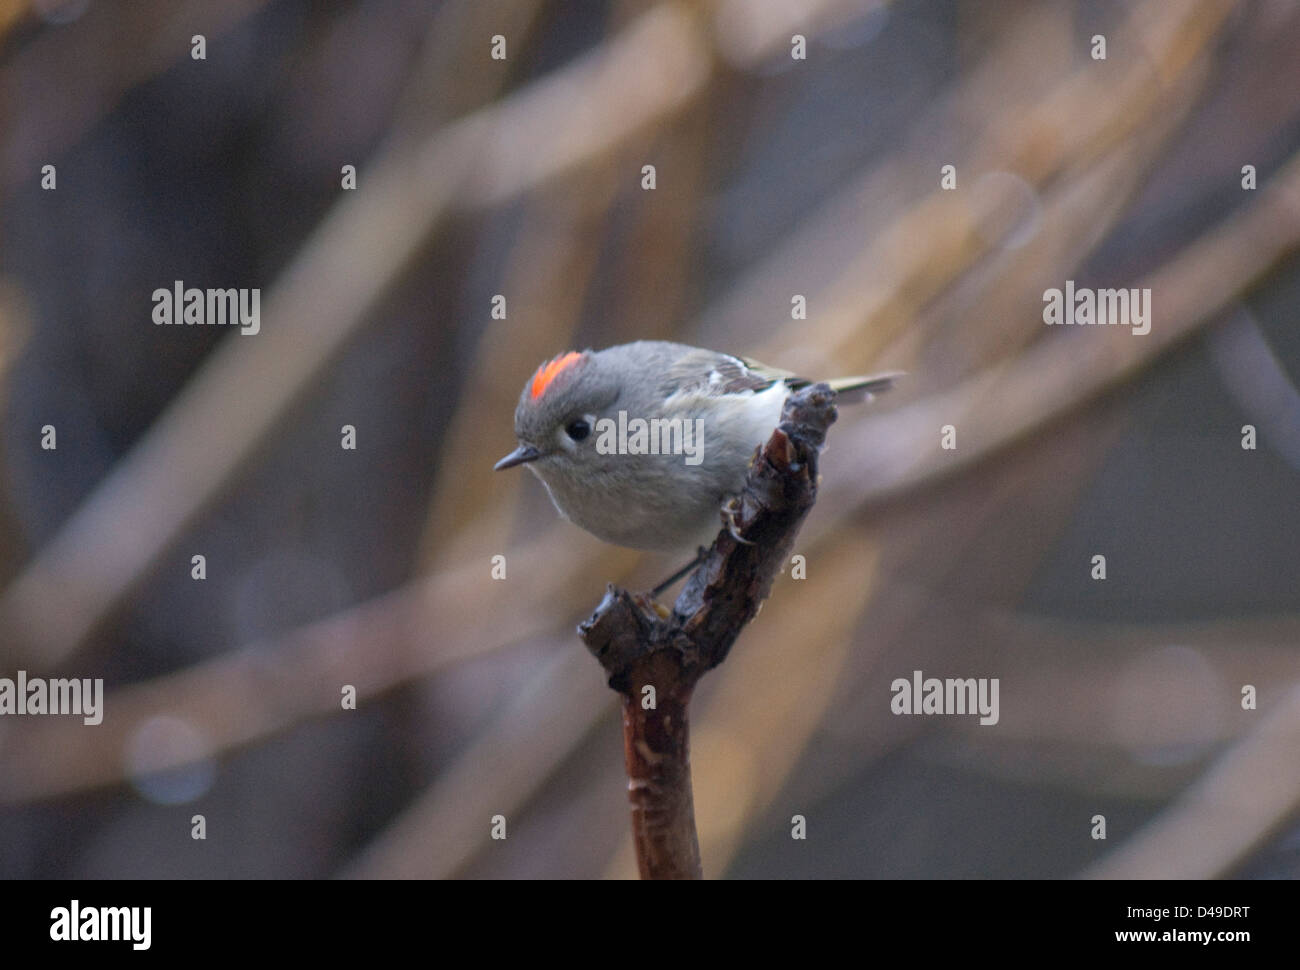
(712, 373)
(848, 390)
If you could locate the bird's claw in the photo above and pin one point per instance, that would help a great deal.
(729, 517)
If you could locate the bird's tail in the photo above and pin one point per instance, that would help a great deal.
(855, 390)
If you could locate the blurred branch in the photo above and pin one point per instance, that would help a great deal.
(886, 270)
(555, 254)
(253, 692)
(43, 110)
(15, 326)
(643, 651)
(446, 80)
(15, 331)
(438, 835)
(11, 12)
(1135, 712)
(1235, 807)
(1009, 401)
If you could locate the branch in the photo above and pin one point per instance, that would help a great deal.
(640, 644)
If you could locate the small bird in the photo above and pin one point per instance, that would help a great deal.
(642, 443)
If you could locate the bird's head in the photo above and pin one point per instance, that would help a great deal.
(555, 420)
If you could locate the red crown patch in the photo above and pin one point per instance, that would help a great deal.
(549, 371)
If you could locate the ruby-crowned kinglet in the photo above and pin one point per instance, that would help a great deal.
(642, 443)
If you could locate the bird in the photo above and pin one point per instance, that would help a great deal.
(641, 444)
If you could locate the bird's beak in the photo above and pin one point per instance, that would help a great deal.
(517, 457)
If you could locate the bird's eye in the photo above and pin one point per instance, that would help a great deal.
(577, 430)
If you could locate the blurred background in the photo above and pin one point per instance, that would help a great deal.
(775, 177)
